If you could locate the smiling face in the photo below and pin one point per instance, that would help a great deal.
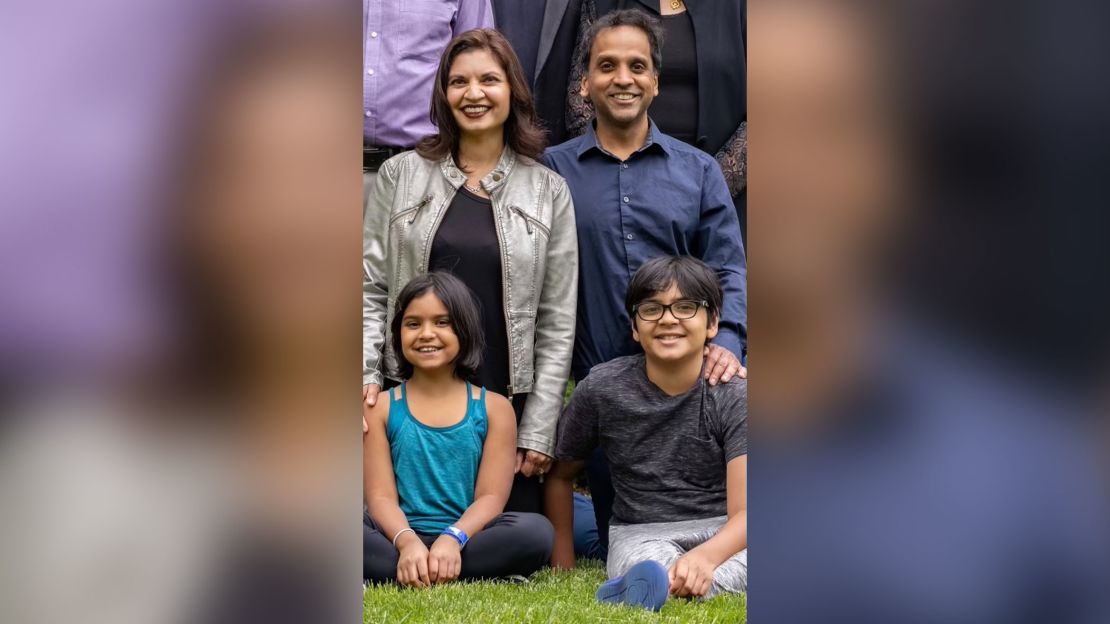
(669, 339)
(621, 81)
(478, 92)
(428, 339)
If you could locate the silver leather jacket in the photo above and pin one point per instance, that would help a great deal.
(539, 259)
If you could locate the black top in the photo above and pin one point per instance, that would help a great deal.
(675, 109)
(466, 245)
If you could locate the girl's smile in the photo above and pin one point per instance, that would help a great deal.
(427, 333)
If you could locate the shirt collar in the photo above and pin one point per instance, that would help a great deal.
(654, 138)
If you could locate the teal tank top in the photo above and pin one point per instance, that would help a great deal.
(435, 468)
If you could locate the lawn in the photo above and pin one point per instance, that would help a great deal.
(550, 597)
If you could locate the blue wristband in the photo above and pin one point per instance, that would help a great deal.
(456, 533)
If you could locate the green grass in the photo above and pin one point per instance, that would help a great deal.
(551, 598)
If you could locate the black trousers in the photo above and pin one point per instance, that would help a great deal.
(512, 543)
(527, 493)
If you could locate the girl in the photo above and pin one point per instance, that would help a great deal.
(439, 454)
(472, 200)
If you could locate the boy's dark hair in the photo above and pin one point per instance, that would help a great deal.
(692, 277)
(462, 307)
(623, 17)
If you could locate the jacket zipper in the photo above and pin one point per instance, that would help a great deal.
(529, 220)
(527, 223)
(417, 207)
(504, 292)
(410, 210)
(423, 268)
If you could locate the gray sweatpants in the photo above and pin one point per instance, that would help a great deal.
(665, 542)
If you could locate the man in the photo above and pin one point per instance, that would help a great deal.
(639, 194)
(403, 42)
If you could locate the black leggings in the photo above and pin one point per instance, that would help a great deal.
(512, 543)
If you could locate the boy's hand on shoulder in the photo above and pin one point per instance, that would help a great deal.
(412, 564)
(692, 574)
(722, 364)
(444, 560)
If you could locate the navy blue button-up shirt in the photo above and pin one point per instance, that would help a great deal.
(668, 198)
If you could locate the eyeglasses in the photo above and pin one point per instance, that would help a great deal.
(681, 310)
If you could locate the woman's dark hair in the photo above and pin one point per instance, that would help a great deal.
(466, 320)
(693, 278)
(623, 17)
(523, 130)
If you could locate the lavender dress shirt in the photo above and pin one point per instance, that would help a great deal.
(403, 42)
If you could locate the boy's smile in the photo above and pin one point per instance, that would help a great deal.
(669, 338)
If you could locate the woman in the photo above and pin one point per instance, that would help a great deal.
(702, 98)
(472, 200)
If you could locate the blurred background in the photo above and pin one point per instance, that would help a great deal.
(179, 339)
(928, 275)
(929, 272)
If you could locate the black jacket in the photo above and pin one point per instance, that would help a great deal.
(558, 36)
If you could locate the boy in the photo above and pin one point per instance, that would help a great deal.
(677, 447)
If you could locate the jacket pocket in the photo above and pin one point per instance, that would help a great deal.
(531, 223)
(410, 213)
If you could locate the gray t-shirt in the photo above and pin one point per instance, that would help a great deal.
(667, 454)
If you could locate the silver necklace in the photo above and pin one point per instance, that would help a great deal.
(476, 190)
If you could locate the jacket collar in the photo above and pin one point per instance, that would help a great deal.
(493, 180)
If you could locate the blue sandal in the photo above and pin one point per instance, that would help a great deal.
(644, 585)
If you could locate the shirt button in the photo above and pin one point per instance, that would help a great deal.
(373, 35)
(626, 199)
(624, 165)
(630, 237)
(369, 114)
(370, 71)
(497, 177)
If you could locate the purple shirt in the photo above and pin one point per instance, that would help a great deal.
(403, 42)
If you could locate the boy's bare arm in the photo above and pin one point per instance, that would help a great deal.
(733, 536)
(559, 504)
(692, 573)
